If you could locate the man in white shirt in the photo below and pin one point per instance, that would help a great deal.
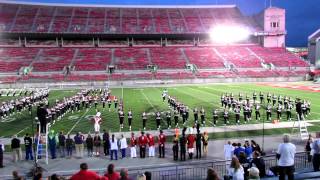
(316, 152)
(123, 146)
(285, 154)
(228, 151)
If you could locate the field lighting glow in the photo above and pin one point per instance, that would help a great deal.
(229, 34)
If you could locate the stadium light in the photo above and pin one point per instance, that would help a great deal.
(229, 34)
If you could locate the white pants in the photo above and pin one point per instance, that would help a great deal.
(151, 151)
(133, 152)
(97, 127)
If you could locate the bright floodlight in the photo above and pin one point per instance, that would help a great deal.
(229, 34)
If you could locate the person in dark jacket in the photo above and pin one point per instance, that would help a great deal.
(62, 144)
(106, 142)
(16, 149)
(78, 141)
(175, 147)
(42, 117)
(89, 142)
(69, 146)
(28, 147)
(259, 163)
(183, 148)
(97, 144)
(198, 142)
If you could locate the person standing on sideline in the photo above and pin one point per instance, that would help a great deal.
(316, 152)
(16, 149)
(106, 142)
(97, 144)
(28, 147)
(89, 143)
(228, 151)
(190, 142)
(78, 140)
(198, 143)
(142, 143)
(133, 146)
(123, 146)
(161, 141)
(183, 142)
(114, 147)
(1, 154)
(285, 156)
(205, 141)
(69, 146)
(52, 141)
(62, 144)
(150, 144)
(175, 147)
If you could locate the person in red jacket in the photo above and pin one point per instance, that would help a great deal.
(133, 148)
(162, 140)
(85, 174)
(150, 144)
(143, 143)
(111, 174)
(190, 144)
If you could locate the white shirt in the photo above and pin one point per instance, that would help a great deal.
(2, 147)
(123, 143)
(237, 175)
(114, 145)
(228, 151)
(287, 152)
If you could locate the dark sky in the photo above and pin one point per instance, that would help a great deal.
(303, 16)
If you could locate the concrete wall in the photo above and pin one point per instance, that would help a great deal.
(276, 35)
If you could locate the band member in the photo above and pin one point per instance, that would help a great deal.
(299, 108)
(158, 119)
(304, 108)
(95, 103)
(129, 119)
(274, 100)
(280, 100)
(257, 108)
(254, 96)
(269, 110)
(150, 144)
(190, 144)
(176, 118)
(279, 111)
(97, 121)
(246, 113)
(285, 102)
(115, 100)
(109, 103)
(168, 116)
(261, 97)
(133, 146)
(195, 114)
(269, 97)
(202, 116)
(103, 100)
(163, 96)
(237, 112)
(215, 117)
(226, 116)
(161, 141)
(222, 100)
(144, 120)
(240, 97)
(308, 107)
(143, 143)
(121, 118)
(288, 111)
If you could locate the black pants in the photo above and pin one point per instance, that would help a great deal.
(288, 115)
(144, 121)
(215, 119)
(161, 151)
(198, 149)
(268, 115)
(169, 122)
(257, 114)
(142, 151)
(176, 120)
(316, 162)
(106, 149)
(286, 171)
(158, 123)
(1, 159)
(226, 119)
(278, 115)
(237, 118)
(183, 154)
(43, 126)
(129, 121)
(175, 153)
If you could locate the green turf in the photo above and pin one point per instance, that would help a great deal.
(149, 99)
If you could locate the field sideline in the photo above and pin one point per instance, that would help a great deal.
(150, 100)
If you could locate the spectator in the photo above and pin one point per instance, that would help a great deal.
(54, 177)
(141, 177)
(1, 154)
(254, 173)
(28, 147)
(248, 150)
(255, 146)
(111, 174)
(16, 149)
(124, 174)
(89, 143)
(244, 162)
(52, 140)
(15, 175)
(205, 141)
(238, 149)
(259, 163)
(78, 140)
(62, 144)
(212, 174)
(236, 170)
(97, 144)
(114, 147)
(106, 143)
(69, 146)
(147, 175)
(123, 146)
(316, 152)
(228, 151)
(85, 174)
(175, 147)
(285, 154)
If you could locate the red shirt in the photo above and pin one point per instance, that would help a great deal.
(113, 176)
(133, 141)
(150, 140)
(143, 140)
(191, 138)
(85, 175)
(162, 139)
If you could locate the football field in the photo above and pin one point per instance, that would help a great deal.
(150, 100)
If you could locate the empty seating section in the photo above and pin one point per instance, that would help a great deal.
(161, 21)
(206, 19)
(193, 22)
(53, 59)
(92, 59)
(203, 57)
(96, 21)
(129, 21)
(62, 20)
(113, 21)
(168, 58)
(175, 75)
(24, 19)
(7, 15)
(279, 57)
(12, 59)
(146, 24)
(239, 56)
(79, 20)
(43, 19)
(177, 22)
(131, 58)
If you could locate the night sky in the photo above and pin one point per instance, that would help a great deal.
(303, 16)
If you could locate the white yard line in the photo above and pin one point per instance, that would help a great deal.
(148, 100)
(78, 121)
(21, 130)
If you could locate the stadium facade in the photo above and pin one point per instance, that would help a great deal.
(314, 48)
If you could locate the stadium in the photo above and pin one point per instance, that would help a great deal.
(178, 69)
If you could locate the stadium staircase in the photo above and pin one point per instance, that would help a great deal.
(42, 145)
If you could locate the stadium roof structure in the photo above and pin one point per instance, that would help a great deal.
(315, 36)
